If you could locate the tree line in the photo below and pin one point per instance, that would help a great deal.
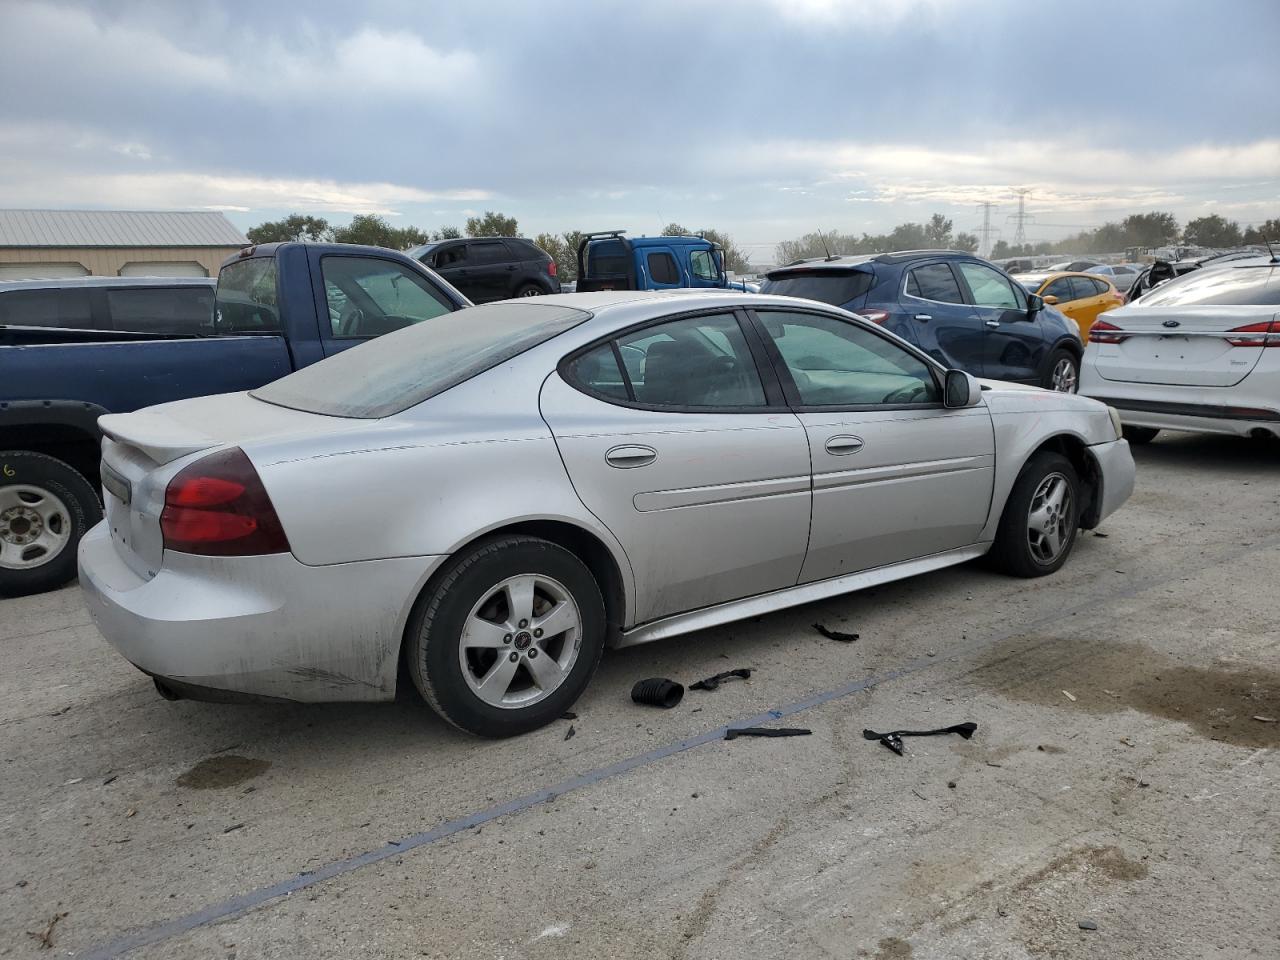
(376, 231)
(935, 233)
(1154, 229)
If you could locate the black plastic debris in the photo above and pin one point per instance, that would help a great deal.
(839, 635)
(710, 683)
(893, 739)
(657, 692)
(568, 715)
(734, 734)
(570, 732)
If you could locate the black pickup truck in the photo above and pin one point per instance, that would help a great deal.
(278, 307)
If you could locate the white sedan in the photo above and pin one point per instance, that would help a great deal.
(491, 497)
(1200, 353)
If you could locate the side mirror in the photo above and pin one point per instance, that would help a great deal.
(1051, 299)
(961, 390)
(1035, 303)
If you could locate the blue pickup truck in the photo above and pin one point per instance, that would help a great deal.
(278, 307)
(610, 260)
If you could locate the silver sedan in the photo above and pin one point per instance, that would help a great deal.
(492, 497)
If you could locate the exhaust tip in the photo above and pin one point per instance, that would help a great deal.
(165, 690)
(1261, 433)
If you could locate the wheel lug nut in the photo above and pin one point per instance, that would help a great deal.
(537, 633)
(533, 652)
(506, 638)
(514, 656)
(523, 624)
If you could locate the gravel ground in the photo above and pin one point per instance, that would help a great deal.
(1118, 778)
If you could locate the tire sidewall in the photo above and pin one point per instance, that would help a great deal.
(1013, 525)
(25, 468)
(435, 628)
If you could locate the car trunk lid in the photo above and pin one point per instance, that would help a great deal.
(1182, 345)
(141, 452)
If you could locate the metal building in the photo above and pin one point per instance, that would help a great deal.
(108, 243)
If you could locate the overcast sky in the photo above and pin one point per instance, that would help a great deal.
(766, 118)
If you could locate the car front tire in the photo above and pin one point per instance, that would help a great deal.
(45, 508)
(507, 636)
(1139, 435)
(1041, 518)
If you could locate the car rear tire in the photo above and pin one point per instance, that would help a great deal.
(45, 508)
(507, 637)
(1062, 372)
(1041, 518)
(1139, 435)
(530, 290)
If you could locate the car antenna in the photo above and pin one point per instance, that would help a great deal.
(824, 246)
(1274, 258)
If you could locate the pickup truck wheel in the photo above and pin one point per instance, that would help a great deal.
(507, 636)
(529, 290)
(45, 508)
(1041, 518)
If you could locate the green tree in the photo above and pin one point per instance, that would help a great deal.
(296, 226)
(1213, 231)
(1151, 229)
(492, 225)
(447, 233)
(967, 242)
(1267, 230)
(937, 232)
(1001, 250)
(563, 249)
(735, 258)
(375, 231)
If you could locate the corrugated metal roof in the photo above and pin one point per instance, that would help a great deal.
(117, 228)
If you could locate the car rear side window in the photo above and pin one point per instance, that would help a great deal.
(597, 371)
(934, 281)
(368, 297)
(662, 267)
(488, 251)
(1229, 286)
(390, 374)
(836, 287)
(247, 300)
(184, 311)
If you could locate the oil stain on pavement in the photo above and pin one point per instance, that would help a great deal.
(224, 771)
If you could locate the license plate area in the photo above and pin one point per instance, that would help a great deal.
(115, 484)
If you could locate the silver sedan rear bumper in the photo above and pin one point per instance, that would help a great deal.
(265, 626)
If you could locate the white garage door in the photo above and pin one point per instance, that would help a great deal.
(41, 271)
(163, 268)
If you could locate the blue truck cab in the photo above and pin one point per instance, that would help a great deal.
(610, 260)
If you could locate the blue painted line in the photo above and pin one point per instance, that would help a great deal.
(255, 898)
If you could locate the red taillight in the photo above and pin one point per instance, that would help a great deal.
(875, 316)
(1254, 335)
(218, 507)
(1103, 332)
(551, 268)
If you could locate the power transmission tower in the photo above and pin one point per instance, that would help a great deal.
(1021, 218)
(987, 230)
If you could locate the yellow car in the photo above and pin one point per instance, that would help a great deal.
(1081, 296)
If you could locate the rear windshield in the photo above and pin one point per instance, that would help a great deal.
(396, 371)
(1219, 287)
(247, 300)
(836, 287)
(607, 258)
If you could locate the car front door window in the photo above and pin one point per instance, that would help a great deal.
(989, 288)
(368, 297)
(836, 363)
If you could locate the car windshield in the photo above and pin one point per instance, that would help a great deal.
(1219, 287)
(836, 287)
(396, 371)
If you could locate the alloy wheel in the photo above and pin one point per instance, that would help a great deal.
(1050, 518)
(1065, 379)
(520, 641)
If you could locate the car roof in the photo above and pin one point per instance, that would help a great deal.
(857, 259)
(73, 282)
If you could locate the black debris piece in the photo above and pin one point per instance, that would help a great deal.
(710, 683)
(1099, 534)
(893, 739)
(568, 715)
(234, 827)
(1087, 924)
(766, 732)
(839, 635)
(657, 692)
(570, 732)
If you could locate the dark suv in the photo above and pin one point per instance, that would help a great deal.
(960, 309)
(491, 268)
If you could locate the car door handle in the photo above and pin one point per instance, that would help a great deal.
(842, 446)
(923, 316)
(993, 323)
(624, 458)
